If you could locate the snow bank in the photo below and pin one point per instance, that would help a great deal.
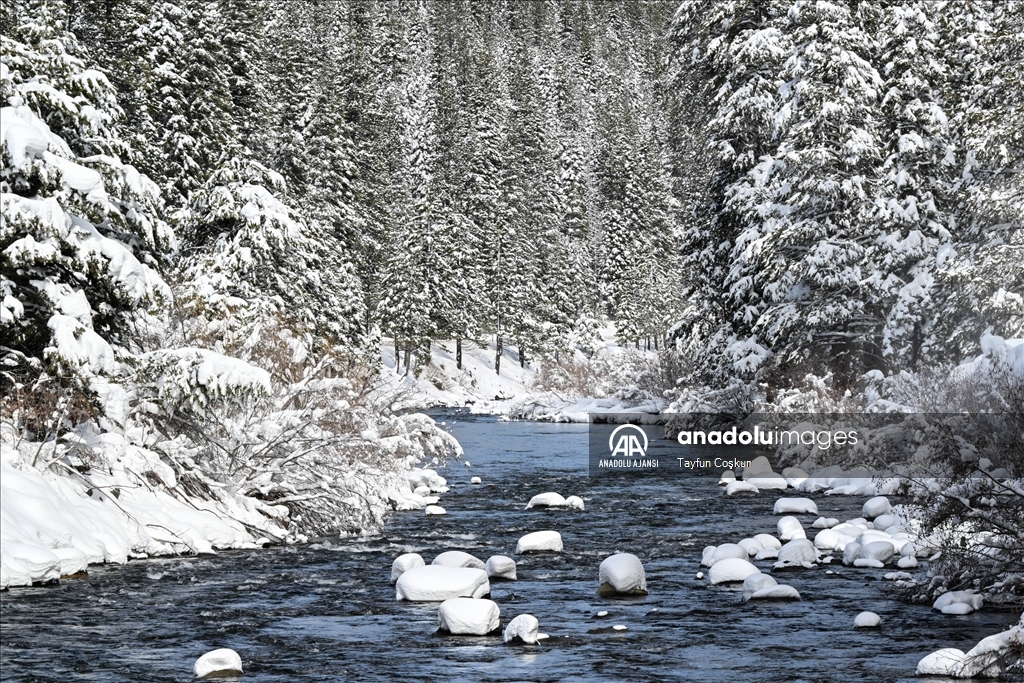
(622, 573)
(217, 663)
(434, 583)
(523, 628)
(540, 541)
(468, 616)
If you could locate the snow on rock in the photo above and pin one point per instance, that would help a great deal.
(768, 541)
(727, 550)
(820, 479)
(765, 587)
(876, 507)
(736, 487)
(434, 583)
(867, 620)
(958, 602)
(758, 464)
(501, 567)
(457, 558)
(882, 551)
(428, 478)
(217, 663)
(796, 506)
(767, 480)
(751, 546)
(825, 522)
(623, 573)
(540, 541)
(475, 480)
(731, 570)
(435, 510)
(727, 478)
(544, 500)
(706, 555)
(794, 476)
(404, 563)
(799, 551)
(574, 503)
(790, 528)
(907, 562)
(72, 561)
(523, 628)
(469, 616)
(884, 522)
(827, 539)
(29, 563)
(944, 662)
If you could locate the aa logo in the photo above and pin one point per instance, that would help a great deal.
(626, 442)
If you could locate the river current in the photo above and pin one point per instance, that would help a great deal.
(326, 611)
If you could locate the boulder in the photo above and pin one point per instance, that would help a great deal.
(731, 570)
(404, 563)
(798, 551)
(867, 620)
(876, 507)
(457, 558)
(546, 500)
(435, 583)
(540, 541)
(501, 567)
(217, 663)
(796, 506)
(622, 573)
(878, 550)
(523, 628)
(468, 616)
(790, 528)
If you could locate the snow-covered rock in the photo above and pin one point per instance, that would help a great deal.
(944, 662)
(884, 522)
(867, 620)
(427, 478)
(798, 551)
(767, 481)
(737, 487)
(731, 570)
(794, 476)
(29, 563)
(475, 480)
(468, 616)
(768, 541)
(623, 573)
(404, 563)
(540, 541)
(544, 500)
(825, 522)
(523, 628)
(434, 583)
(501, 567)
(727, 550)
(435, 510)
(758, 464)
(881, 551)
(574, 503)
(790, 528)
(779, 592)
(958, 602)
(907, 562)
(72, 560)
(876, 507)
(827, 539)
(217, 663)
(851, 553)
(727, 477)
(457, 558)
(751, 546)
(795, 506)
(706, 555)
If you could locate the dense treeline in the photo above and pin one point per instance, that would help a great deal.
(420, 170)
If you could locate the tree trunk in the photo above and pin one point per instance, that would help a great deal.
(398, 359)
(408, 353)
(458, 353)
(522, 356)
(497, 354)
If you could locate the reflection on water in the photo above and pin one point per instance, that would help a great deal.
(326, 612)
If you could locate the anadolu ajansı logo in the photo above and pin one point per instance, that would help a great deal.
(628, 443)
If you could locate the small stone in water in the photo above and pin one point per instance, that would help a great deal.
(603, 613)
(700, 575)
(619, 627)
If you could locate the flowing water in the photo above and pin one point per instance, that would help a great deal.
(326, 611)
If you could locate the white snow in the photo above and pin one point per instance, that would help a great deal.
(549, 499)
(435, 510)
(727, 477)
(825, 522)
(790, 528)
(404, 563)
(731, 570)
(457, 558)
(434, 583)
(475, 480)
(468, 616)
(944, 662)
(540, 541)
(881, 551)
(796, 506)
(727, 550)
(622, 573)
(501, 567)
(523, 628)
(798, 551)
(736, 487)
(867, 620)
(218, 663)
(958, 602)
(876, 507)
(574, 503)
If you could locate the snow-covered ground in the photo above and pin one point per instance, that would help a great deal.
(515, 392)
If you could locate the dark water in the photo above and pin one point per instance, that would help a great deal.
(329, 614)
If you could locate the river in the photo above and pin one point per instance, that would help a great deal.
(326, 611)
